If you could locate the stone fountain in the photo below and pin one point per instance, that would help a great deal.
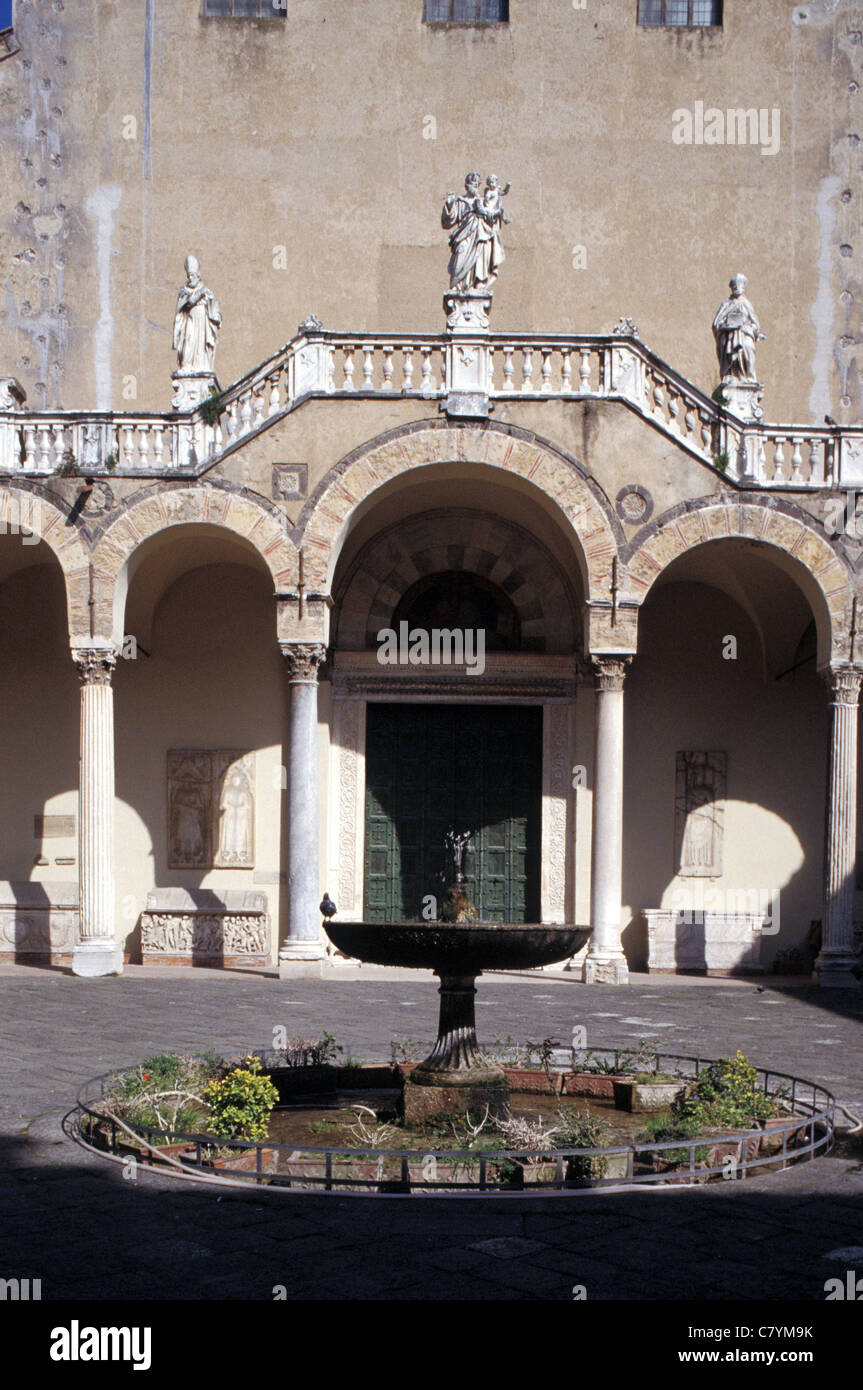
(456, 1075)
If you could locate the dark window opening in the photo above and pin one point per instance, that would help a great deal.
(684, 14)
(459, 600)
(244, 9)
(466, 11)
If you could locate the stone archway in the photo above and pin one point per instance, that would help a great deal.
(819, 571)
(34, 510)
(583, 511)
(156, 509)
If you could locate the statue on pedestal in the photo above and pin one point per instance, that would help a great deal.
(475, 241)
(736, 330)
(196, 322)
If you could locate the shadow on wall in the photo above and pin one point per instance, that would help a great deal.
(684, 696)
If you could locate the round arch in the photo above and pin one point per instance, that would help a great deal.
(796, 545)
(252, 521)
(550, 476)
(33, 510)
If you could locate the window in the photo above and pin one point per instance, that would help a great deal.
(466, 11)
(686, 14)
(244, 9)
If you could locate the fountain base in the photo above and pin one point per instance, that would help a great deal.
(422, 1103)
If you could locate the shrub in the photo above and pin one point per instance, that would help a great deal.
(724, 1096)
(241, 1102)
(165, 1092)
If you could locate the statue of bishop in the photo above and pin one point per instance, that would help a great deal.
(196, 322)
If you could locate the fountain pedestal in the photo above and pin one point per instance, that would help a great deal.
(456, 1075)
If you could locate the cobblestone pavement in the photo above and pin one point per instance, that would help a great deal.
(73, 1221)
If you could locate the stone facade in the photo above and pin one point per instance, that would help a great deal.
(678, 569)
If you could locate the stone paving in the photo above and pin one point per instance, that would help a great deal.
(73, 1221)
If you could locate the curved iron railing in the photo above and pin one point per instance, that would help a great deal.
(811, 1122)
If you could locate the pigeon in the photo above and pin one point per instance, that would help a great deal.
(328, 907)
(828, 420)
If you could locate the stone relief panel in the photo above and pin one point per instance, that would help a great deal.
(557, 832)
(348, 797)
(211, 808)
(699, 814)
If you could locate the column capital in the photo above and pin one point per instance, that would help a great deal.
(609, 672)
(844, 684)
(303, 660)
(95, 664)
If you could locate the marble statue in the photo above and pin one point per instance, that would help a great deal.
(196, 322)
(475, 223)
(736, 330)
(235, 820)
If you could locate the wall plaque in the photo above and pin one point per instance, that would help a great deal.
(699, 814)
(211, 808)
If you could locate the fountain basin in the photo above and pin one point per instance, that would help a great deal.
(457, 948)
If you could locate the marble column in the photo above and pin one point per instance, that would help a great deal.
(302, 953)
(836, 957)
(97, 951)
(605, 962)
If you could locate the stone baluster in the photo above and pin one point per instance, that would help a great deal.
(689, 420)
(158, 446)
(96, 951)
(605, 962)
(508, 368)
(348, 367)
(546, 370)
(566, 370)
(796, 459)
(527, 369)
(44, 448)
(275, 403)
(143, 446)
(368, 367)
(128, 446)
(258, 397)
(779, 460)
(388, 350)
(245, 412)
(816, 468)
(836, 957)
(706, 432)
(232, 420)
(302, 951)
(427, 384)
(29, 433)
(59, 445)
(407, 367)
(584, 370)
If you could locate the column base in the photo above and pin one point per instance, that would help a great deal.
(301, 960)
(835, 970)
(90, 959)
(606, 970)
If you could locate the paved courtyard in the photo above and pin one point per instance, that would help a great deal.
(76, 1223)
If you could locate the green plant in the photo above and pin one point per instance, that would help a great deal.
(724, 1096)
(408, 1050)
(210, 407)
(581, 1130)
(310, 1052)
(241, 1102)
(366, 1128)
(111, 462)
(720, 461)
(166, 1092)
(718, 395)
(67, 468)
(544, 1052)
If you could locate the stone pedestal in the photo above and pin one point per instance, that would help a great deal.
(302, 953)
(190, 388)
(743, 398)
(96, 952)
(605, 962)
(836, 958)
(469, 312)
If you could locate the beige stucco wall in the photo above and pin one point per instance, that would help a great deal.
(293, 158)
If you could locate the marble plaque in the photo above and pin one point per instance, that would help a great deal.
(211, 808)
(699, 813)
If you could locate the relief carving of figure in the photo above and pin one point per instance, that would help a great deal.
(235, 820)
(189, 823)
(698, 837)
(736, 330)
(196, 322)
(475, 240)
